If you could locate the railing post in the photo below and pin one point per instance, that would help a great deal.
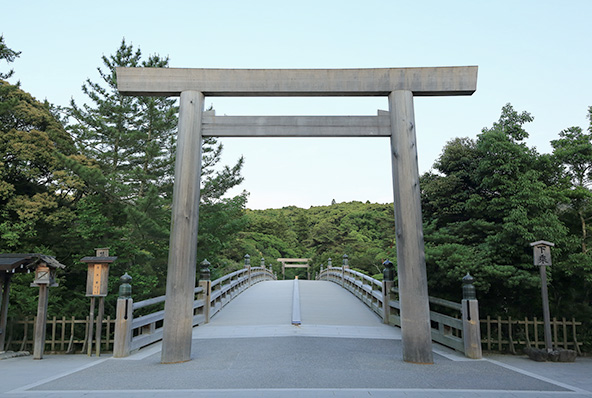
(263, 263)
(125, 317)
(388, 281)
(206, 284)
(470, 317)
(248, 267)
(343, 267)
(329, 265)
(320, 273)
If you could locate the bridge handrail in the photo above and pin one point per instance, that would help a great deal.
(209, 298)
(222, 279)
(157, 300)
(437, 301)
(446, 330)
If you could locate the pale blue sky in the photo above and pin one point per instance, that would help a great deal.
(533, 54)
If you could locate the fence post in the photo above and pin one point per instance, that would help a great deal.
(206, 284)
(343, 267)
(387, 284)
(248, 267)
(125, 317)
(329, 265)
(470, 317)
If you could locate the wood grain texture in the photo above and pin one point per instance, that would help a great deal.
(431, 81)
(176, 345)
(411, 269)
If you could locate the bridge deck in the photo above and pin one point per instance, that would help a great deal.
(265, 310)
(250, 349)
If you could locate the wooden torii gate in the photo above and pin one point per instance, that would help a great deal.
(400, 85)
(294, 263)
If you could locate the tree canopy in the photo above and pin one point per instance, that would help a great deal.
(100, 174)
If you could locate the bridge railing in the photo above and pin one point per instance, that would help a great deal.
(455, 325)
(133, 333)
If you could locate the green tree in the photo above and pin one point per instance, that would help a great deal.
(363, 231)
(9, 56)
(489, 199)
(221, 218)
(573, 151)
(38, 195)
(572, 286)
(132, 141)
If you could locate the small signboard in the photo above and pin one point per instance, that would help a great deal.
(96, 287)
(98, 273)
(542, 252)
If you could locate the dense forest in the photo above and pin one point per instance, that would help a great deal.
(100, 174)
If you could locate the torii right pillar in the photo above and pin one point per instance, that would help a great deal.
(411, 267)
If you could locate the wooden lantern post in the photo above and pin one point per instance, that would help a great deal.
(5, 278)
(96, 286)
(44, 278)
(542, 258)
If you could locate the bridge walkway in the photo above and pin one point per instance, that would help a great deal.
(327, 310)
(329, 355)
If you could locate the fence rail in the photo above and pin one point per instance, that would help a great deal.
(507, 335)
(63, 335)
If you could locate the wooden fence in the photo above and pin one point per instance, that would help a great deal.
(65, 335)
(504, 335)
(508, 335)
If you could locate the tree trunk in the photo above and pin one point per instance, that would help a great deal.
(583, 221)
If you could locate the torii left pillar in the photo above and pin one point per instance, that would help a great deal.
(178, 308)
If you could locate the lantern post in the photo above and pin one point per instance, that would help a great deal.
(97, 287)
(44, 279)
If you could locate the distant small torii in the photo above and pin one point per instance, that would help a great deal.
(294, 263)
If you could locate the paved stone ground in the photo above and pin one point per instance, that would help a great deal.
(270, 358)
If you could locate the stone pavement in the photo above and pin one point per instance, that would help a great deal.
(334, 353)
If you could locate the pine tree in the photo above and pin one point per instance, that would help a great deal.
(9, 56)
(132, 142)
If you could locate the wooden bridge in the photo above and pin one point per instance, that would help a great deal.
(323, 306)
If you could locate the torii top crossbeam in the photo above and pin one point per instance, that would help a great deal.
(432, 81)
